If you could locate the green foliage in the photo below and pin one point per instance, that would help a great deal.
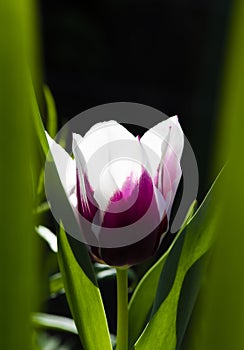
(43, 340)
(143, 297)
(52, 122)
(18, 253)
(84, 297)
(37, 120)
(220, 318)
(194, 241)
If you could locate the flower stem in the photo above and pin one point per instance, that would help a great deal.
(122, 309)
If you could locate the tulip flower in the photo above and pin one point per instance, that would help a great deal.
(128, 190)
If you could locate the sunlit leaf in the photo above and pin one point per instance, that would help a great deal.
(144, 295)
(83, 296)
(196, 239)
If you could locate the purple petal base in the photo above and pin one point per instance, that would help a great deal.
(134, 253)
(143, 194)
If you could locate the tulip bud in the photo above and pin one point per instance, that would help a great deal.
(130, 194)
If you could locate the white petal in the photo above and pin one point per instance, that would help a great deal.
(102, 134)
(49, 237)
(161, 203)
(64, 163)
(80, 165)
(65, 209)
(113, 178)
(79, 157)
(102, 147)
(163, 135)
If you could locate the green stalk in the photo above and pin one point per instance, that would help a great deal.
(122, 309)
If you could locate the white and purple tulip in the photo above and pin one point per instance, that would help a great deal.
(121, 194)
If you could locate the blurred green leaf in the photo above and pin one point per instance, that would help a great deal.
(42, 208)
(143, 297)
(197, 237)
(60, 323)
(38, 121)
(18, 252)
(106, 274)
(101, 267)
(84, 297)
(52, 122)
(218, 323)
(105, 271)
(40, 186)
(56, 284)
(45, 341)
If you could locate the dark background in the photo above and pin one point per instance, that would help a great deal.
(167, 54)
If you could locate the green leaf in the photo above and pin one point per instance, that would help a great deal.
(40, 184)
(142, 300)
(188, 296)
(42, 208)
(38, 121)
(19, 270)
(52, 122)
(197, 237)
(60, 323)
(83, 295)
(219, 322)
(56, 284)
